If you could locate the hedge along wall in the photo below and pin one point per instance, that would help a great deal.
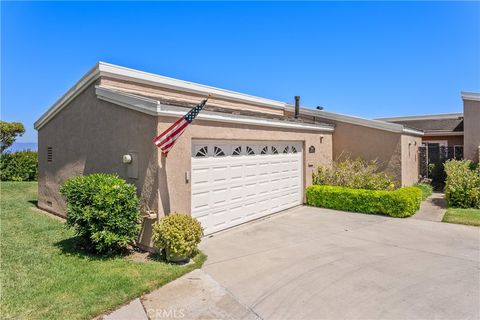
(400, 203)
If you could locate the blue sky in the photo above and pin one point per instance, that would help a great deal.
(366, 59)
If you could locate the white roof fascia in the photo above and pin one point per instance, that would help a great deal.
(83, 83)
(474, 96)
(154, 107)
(443, 133)
(122, 73)
(102, 69)
(412, 132)
(425, 117)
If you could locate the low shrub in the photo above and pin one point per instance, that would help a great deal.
(426, 189)
(104, 211)
(356, 174)
(462, 186)
(178, 235)
(399, 203)
(19, 166)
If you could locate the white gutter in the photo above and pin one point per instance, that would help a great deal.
(443, 133)
(412, 132)
(474, 96)
(83, 83)
(154, 107)
(441, 116)
(122, 73)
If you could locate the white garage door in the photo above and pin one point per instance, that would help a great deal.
(235, 182)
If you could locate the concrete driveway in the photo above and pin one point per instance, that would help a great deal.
(311, 263)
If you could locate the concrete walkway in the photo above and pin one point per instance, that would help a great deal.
(311, 263)
(194, 296)
(433, 208)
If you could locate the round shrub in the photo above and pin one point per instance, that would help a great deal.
(178, 235)
(104, 211)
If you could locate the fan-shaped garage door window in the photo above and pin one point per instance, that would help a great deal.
(202, 152)
(218, 152)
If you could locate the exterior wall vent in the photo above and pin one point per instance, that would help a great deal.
(49, 154)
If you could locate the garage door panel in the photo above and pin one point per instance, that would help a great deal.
(247, 182)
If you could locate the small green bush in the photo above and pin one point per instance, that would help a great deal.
(178, 235)
(104, 211)
(19, 166)
(399, 203)
(356, 174)
(462, 187)
(426, 189)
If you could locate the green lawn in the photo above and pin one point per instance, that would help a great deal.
(462, 216)
(43, 276)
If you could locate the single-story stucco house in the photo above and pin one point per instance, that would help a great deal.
(243, 157)
(459, 131)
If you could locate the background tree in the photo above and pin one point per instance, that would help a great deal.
(9, 131)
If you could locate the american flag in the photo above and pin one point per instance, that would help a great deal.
(166, 140)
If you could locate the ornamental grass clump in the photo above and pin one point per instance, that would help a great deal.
(354, 174)
(104, 211)
(178, 235)
(462, 186)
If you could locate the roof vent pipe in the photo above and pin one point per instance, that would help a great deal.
(297, 106)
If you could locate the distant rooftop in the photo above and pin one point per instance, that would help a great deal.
(446, 122)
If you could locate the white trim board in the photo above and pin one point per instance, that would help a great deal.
(440, 116)
(443, 133)
(154, 107)
(474, 96)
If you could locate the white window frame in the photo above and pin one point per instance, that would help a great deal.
(454, 150)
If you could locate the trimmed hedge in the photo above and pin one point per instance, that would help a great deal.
(19, 166)
(399, 203)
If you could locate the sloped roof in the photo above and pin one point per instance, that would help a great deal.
(451, 125)
(102, 69)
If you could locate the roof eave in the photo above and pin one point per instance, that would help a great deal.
(102, 69)
(156, 108)
(375, 124)
(472, 96)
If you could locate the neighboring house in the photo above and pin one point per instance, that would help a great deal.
(244, 157)
(460, 132)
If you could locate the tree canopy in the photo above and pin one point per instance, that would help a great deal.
(9, 131)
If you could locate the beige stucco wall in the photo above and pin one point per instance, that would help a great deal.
(471, 123)
(369, 144)
(410, 164)
(89, 136)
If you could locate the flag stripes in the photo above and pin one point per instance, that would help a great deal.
(167, 139)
